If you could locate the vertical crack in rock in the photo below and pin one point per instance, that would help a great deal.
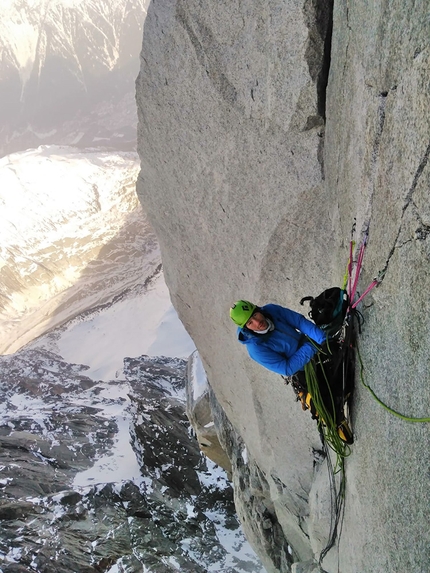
(318, 16)
(348, 25)
(380, 121)
(420, 233)
(325, 68)
(302, 528)
(416, 178)
(379, 128)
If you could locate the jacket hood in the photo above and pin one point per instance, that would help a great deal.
(246, 336)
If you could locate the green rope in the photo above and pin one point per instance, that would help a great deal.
(328, 428)
(326, 420)
(381, 403)
(346, 275)
(337, 508)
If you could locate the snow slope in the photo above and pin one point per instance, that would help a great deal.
(71, 235)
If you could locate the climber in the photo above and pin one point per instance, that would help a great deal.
(278, 338)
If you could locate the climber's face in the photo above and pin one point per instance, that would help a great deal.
(257, 322)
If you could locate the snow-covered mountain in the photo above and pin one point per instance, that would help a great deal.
(99, 470)
(72, 235)
(67, 72)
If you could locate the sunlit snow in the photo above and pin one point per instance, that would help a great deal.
(60, 207)
(146, 324)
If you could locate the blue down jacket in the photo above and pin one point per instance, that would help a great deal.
(285, 350)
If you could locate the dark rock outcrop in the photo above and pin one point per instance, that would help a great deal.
(58, 423)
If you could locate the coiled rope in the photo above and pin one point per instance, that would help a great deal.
(326, 419)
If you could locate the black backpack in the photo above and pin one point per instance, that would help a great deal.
(328, 309)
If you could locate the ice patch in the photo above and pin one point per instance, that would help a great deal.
(199, 379)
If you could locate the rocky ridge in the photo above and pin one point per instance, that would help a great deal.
(175, 514)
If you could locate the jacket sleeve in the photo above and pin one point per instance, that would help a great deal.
(301, 323)
(279, 363)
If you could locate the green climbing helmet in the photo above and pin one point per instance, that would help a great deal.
(241, 312)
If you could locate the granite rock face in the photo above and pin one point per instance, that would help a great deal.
(254, 169)
(377, 165)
